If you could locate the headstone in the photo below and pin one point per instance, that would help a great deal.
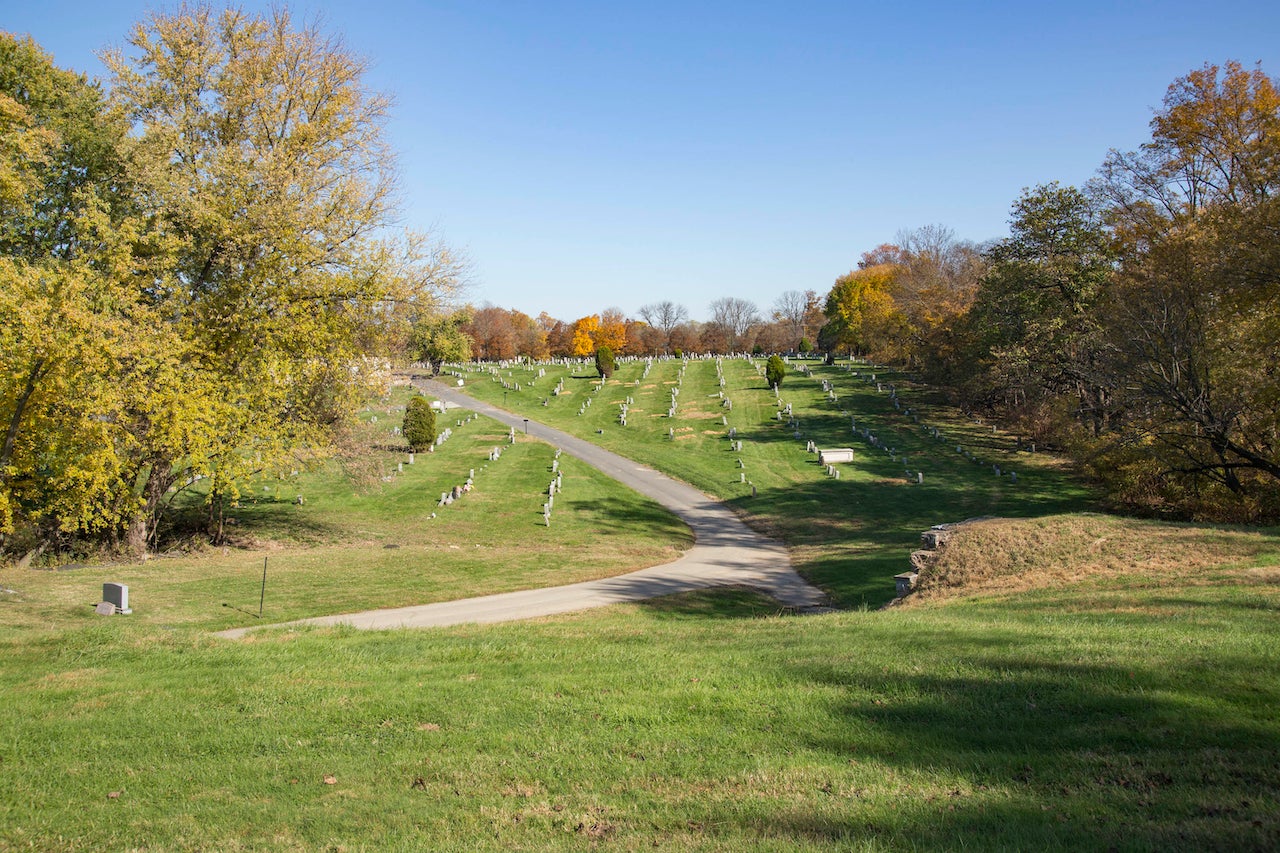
(116, 594)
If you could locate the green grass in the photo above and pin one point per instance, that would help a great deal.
(849, 536)
(349, 548)
(1118, 709)
(694, 723)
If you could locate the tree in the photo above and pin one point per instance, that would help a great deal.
(774, 371)
(66, 239)
(733, 316)
(664, 316)
(686, 337)
(1195, 318)
(935, 284)
(794, 310)
(1033, 326)
(492, 333)
(419, 423)
(584, 334)
(440, 340)
(604, 362)
(268, 175)
(531, 340)
(559, 338)
(612, 332)
(860, 311)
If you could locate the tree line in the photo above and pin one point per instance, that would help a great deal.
(491, 333)
(1134, 321)
(200, 280)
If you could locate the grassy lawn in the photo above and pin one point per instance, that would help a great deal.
(352, 547)
(1064, 681)
(849, 536)
(1069, 720)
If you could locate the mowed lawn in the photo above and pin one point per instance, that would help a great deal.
(364, 536)
(851, 535)
(1106, 710)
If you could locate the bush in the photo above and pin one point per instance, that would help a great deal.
(419, 424)
(604, 362)
(774, 370)
(805, 346)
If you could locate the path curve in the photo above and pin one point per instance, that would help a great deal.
(726, 551)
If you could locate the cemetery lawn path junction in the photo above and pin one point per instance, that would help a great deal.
(726, 552)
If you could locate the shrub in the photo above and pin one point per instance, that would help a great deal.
(419, 423)
(774, 370)
(805, 346)
(604, 362)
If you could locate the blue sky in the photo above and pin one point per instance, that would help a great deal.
(593, 155)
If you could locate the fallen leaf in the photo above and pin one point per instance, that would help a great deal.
(429, 727)
(330, 780)
(419, 784)
(114, 795)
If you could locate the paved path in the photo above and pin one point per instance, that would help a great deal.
(725, 553)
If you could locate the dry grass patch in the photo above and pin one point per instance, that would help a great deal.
(1013, 555)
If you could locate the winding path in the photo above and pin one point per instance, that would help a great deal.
(725, 553)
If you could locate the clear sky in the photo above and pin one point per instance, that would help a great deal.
(589, 155)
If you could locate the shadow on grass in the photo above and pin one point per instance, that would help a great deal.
(267, 518)
(998, 736)
(610, 514)
(719, 603)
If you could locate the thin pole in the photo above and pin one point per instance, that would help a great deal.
(262, 599)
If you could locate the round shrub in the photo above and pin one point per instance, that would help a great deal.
(419, 423)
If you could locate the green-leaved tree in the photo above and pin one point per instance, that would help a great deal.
(419, 423)
(775, 370)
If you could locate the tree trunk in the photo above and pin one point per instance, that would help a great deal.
(142, 527)
(19, 409)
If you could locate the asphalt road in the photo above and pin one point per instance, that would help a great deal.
(725, 553)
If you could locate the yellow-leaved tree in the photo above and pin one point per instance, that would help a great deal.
(197, 275)
(267, 169)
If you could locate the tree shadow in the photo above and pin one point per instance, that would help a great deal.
(726, 602)
(1045, 752)
(612, 515)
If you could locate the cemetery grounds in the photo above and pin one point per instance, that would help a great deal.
(1072, 680)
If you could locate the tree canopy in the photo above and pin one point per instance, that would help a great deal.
(199, 275)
